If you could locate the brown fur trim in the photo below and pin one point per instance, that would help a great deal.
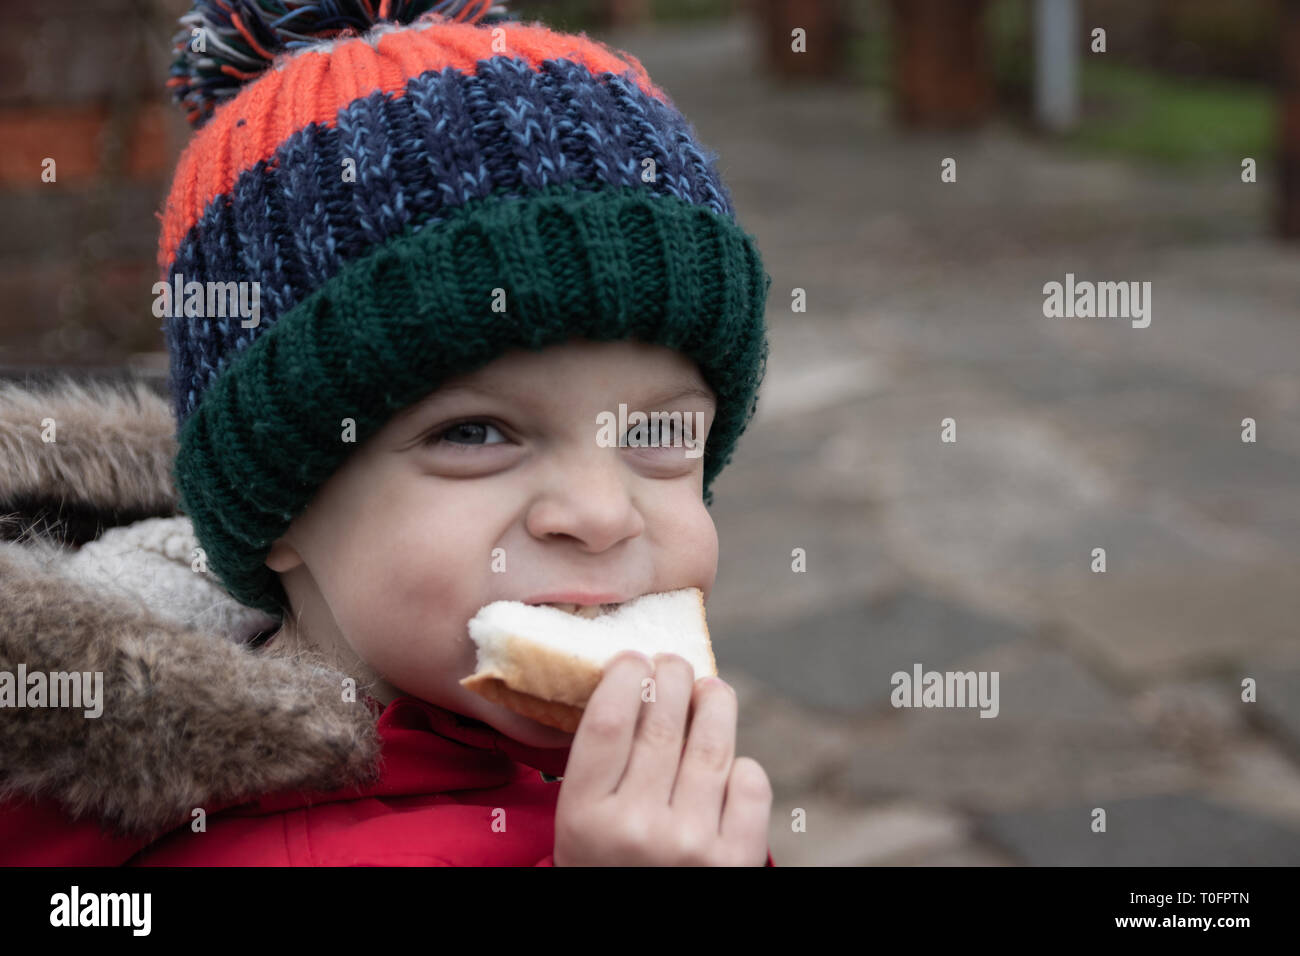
(110, 462)
(189, 719)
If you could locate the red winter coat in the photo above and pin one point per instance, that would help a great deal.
(445, 781)
(453, 792)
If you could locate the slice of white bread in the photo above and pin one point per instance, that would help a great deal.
(545, 663)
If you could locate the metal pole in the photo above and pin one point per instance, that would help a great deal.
(1056, 64)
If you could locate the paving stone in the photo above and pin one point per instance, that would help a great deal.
(1060, 733)
(1155, 621)
(861, 452)
(841, 834)
(1157, 446)
(1007, 495)
(796, 748)
(994, 512)
(1194, 453)
(1257, 777)
(841, 658)
(1194, 287)
(1166, 830)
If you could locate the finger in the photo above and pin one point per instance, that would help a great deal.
(599, 752)
(706, 763)
(747, 811)
(657, 748)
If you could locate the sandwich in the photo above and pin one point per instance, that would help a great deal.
(544, 660)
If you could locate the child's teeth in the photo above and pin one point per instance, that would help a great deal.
(584, 610)
(587, 611)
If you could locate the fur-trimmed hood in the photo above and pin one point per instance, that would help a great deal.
(100, 573)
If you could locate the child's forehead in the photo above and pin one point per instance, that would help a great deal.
(589, 358)
(557, 374)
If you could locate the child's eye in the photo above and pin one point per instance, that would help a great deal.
(669, 433)
(465, 434)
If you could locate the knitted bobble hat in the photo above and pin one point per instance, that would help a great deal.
(374, 178)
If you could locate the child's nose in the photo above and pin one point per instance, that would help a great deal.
(586, 496)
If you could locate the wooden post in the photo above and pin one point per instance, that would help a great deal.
(941, 62)
(623, 13)
(825, 26)
(1289, 108)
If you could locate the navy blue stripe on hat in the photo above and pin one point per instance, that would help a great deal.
(292, 222)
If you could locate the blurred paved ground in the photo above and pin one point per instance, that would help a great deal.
(1118, 690)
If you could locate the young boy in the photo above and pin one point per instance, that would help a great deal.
(470, 239)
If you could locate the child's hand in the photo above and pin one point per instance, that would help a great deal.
(647, 795)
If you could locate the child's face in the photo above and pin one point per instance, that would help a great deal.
(396, 552)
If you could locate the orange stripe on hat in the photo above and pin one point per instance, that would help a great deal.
(315, 85)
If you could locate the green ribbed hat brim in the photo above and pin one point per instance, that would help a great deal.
(602, 263)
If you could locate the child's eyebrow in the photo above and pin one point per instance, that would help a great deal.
(673, 394)
(686, 391)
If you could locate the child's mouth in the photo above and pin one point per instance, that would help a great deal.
(583, 610)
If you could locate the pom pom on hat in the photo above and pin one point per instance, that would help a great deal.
(226, 43)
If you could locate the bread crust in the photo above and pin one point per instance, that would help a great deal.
(708, 638)
(552, 713)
